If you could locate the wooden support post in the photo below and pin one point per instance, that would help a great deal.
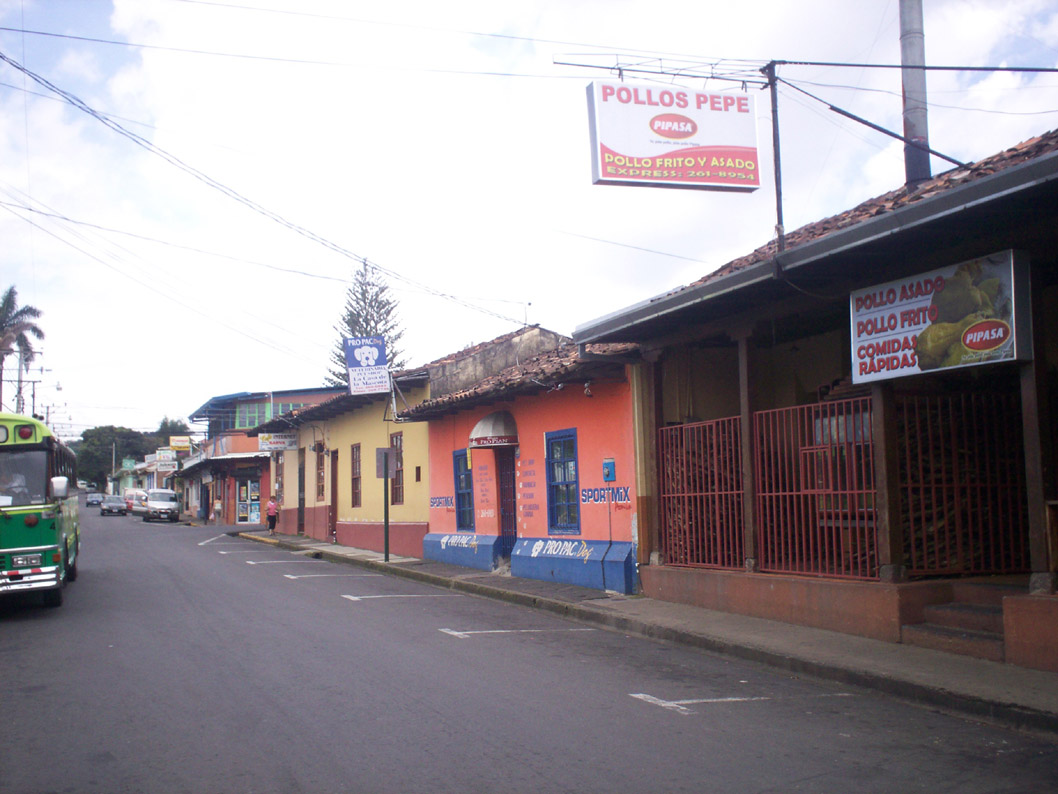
(749, 479)
(1039, 451)
(889, 532)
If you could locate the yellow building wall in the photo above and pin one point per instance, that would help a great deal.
(372, 427)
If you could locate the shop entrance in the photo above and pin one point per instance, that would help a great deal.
(248, 501)
(508, 515)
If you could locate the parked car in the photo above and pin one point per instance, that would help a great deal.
(113, 505)
(137, 502)
(162, 504)
(93, 499)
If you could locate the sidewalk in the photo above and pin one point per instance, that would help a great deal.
(1013, 696)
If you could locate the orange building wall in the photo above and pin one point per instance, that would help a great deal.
(604, 430)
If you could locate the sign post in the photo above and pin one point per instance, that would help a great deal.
(385, 466)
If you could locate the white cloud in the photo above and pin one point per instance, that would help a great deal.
(457, 160)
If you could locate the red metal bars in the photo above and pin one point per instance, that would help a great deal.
(962, 487)
(962, 483)
(701, 494)
(815, 490)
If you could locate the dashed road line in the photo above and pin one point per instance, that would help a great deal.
(467, 634)
(680, 706)
(285, 562)
(330, 575)
(402, 595)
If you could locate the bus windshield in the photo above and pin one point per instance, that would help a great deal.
(23, 478)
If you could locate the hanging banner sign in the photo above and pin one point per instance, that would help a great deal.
(180, 443)
(365, 358)
(964, 315)
(276, 442)
(664, 136)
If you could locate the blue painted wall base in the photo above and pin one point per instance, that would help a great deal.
(463, 548)
(599, 564)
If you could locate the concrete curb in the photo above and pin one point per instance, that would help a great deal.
(1010, 715)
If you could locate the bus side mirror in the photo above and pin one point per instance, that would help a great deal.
(60, 487)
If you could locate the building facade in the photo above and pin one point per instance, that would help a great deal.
(534, 466)
(854, 430)
(228, 479)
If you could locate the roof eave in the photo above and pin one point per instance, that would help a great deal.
(1009, 181)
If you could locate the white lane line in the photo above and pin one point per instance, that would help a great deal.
(466, 634)
(402, 595)
(331, 575)
(218, 537)
(680, 706)
(248, 551)
(286, 562)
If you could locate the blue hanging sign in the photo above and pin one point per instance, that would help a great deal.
(365, 358)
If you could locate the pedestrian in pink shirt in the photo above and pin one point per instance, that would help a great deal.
(272, 510)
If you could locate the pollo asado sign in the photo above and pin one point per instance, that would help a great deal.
(963, 315)
(666, 136)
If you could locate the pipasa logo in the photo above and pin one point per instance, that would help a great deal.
(986, 335)
(673, 125)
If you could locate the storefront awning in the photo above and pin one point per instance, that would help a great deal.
(498, 429)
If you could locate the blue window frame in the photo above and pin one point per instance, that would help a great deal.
(563, 510)
(464, 491)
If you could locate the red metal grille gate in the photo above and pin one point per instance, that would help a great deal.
(815, 489)
(701, 494)
(961, 483)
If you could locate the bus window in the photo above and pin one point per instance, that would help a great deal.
(23, 478)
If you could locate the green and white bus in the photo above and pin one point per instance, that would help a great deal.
(39, 530)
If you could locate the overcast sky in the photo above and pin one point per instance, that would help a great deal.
(446, 143)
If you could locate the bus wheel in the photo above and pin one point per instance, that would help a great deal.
(71, 570)
(53, 598)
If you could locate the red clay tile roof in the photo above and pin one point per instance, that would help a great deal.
(893, 200)
(469, 351)
(541, 372)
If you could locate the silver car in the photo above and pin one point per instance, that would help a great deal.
(113, 505)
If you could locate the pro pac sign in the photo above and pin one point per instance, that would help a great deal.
(672, 137)
(365, 359)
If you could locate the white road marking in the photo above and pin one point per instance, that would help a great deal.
(466, 634)
(321, 575)
(218, 537)
(248, 551)
(680, 706)
(402, 595)
(285, 562)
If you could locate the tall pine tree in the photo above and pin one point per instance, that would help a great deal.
(369, 311)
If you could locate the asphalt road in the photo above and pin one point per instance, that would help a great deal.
(184, 661)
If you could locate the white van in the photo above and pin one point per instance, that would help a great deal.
(162, 504)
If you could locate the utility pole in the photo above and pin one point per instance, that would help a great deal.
(913, 78)
(773, 89)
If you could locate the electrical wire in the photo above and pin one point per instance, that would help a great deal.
(235, 195)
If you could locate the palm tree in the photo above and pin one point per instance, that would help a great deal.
(16, 327)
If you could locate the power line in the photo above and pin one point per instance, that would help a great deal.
(233, 194)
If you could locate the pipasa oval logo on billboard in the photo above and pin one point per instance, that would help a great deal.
(986, 335)
(673, 125)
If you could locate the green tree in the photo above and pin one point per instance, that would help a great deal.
(369, 311)
(169, 427)
(100, 447)
(16, 328)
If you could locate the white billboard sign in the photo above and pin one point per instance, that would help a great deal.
(963, 315)
(667, 136)
(276, 442)
(365, 358)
